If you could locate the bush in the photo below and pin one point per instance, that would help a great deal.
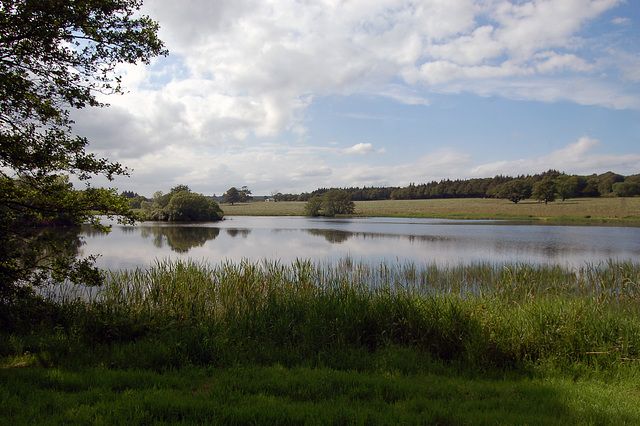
(187, 206)
(182, 205)
(331, 203)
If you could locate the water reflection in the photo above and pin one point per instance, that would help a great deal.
(40, 252)
(369, 239)
(179, 239)
(234, 232)
(331, 235)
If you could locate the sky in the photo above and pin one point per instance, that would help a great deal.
(294, 95)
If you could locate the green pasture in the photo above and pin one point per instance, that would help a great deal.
(277, 395)
(602, 210)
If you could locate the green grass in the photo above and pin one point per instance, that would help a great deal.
(259, 208)
(298, 395)
(603, 210)
(344, 342)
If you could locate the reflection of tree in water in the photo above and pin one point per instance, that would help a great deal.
(67, 239)
(234, 232)
(87, 230)
(336, 236)
(331, 235)
(128, 229)
(44, 252)
(180, 239)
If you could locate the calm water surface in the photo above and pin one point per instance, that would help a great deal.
(373, 240)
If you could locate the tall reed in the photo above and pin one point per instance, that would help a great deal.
(484, 315)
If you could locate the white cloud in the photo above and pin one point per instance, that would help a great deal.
(439, 72)
(551, 62)
(523, 40)
(363, 149)
(527, 27)
(470, 49)
(621, 21)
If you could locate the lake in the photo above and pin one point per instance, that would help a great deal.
(372, 240)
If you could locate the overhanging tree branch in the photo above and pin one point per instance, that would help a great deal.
(56, 55)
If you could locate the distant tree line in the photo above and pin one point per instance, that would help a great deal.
(547, 186)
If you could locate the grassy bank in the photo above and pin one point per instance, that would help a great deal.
(603, 210)
(331, 343)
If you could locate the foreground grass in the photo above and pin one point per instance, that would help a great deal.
(330, 343)
(298, 395)
(603, 210)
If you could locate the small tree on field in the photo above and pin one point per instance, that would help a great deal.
(545, 190)
(337, 201)
(232, 196)
(566, 187)
(331, 203)
(515, 190)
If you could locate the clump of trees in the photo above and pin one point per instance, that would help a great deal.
(331, 203)
(554, 185)
(626, 188)
(181, 205)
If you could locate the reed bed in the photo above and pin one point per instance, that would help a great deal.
(346, 314)
(199, 290)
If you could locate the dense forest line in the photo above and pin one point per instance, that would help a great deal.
(559, 184)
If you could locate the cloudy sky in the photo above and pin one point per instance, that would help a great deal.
(293, 95)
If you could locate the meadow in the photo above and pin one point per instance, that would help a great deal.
(602, 210)
(345, 342)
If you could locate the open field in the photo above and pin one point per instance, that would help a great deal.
(603, 210)
(267, 343)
